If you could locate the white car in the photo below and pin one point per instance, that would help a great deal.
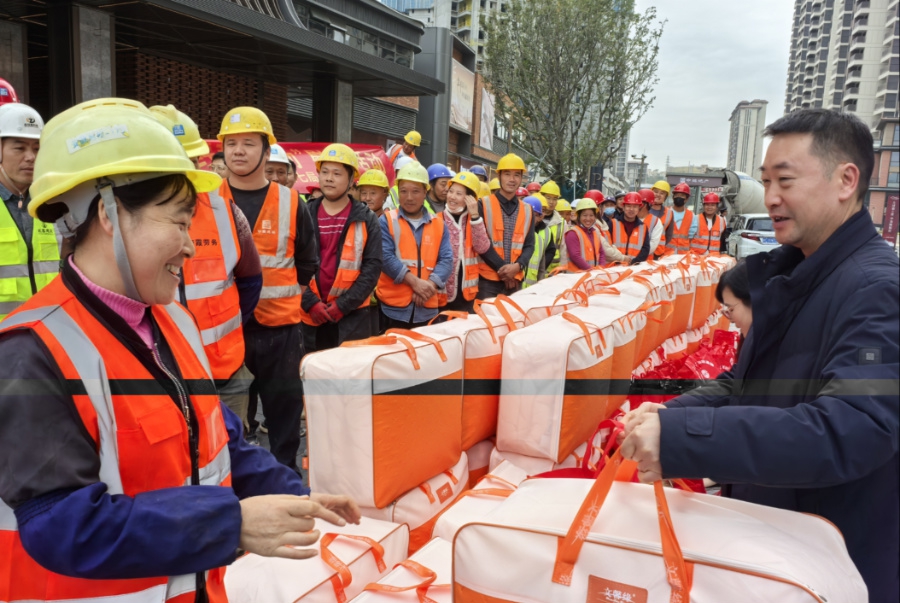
(752, 233)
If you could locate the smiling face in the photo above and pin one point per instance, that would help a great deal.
(18, 155)
(412, 197)
(631, 212)
(659, 197)
(456, 197)
(510, 181)
(587, 217)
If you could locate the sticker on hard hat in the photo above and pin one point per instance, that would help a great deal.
(30, 122)
(86, 139)
(178, 130)
(332, 153)
(4, 92)
(235, 118)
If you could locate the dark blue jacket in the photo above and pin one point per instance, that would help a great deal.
(808, 419)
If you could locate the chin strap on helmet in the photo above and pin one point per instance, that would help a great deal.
(105, 188)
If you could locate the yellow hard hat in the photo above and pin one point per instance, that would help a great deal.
(663, 186)
(373, 177)
(510, 162)
(414, 172)
(542, 199)
(107, 138)
(563, 206)
(244, 120)
(550, 188)
(470, 181)
(184, 129)
(413, 138)
(339, 153)
(585, 204)
(494, 185)
(484, 190)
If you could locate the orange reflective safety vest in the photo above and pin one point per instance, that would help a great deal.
(274, 234)
(468, 288)
(680, 242)
(349, 265)
(707, 240)
(418, 259)
(629, 246)
(590, 247)
(142, 440)
(493, 222)
(209, 288)
(666, 219)
(395, 152)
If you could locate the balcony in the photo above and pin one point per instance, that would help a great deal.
(860, 24)
(858, 41)
(464, 9)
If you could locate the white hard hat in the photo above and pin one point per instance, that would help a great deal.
(402, 162)
(277, 154)
(20, 121)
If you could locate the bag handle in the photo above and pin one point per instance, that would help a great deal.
(504, 313)
(587, 333)
(421, 587)
(419, 337)
(343, 578)
(502, 297)
(569, 546)
(581, 296)
(386, 340)
(645, 307)
(450, 314)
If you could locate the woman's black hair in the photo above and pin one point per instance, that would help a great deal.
(737, 281)
(134, 197)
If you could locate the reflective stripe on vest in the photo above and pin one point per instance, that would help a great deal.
(469, 286)
(212, 296)
(493, 222)
(705, 236)
(650, 221)
(590, 248)
(628, 245)
(541, 242)
(62, 324)
(680, 242)
(419, 258)
(15, 280)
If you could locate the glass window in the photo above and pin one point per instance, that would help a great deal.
(764, 224)
(895, 159)
(894, 178)
(896, 135)
(370, 44)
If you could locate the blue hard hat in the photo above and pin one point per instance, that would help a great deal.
(535, 204)
(438, 170)
(479, 171)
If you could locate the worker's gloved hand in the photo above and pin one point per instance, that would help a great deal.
(334, 312)
(319, 314)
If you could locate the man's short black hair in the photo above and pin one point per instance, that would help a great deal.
(219, 155)
(293, 166)
(837, 137)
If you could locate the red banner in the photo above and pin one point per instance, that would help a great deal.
(304, 155)
(889, 224)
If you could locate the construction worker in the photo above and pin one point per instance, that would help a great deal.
(494, 184)
(218, 166)
(566, 212)
(604, 223)
(484, 190)
(706, 229)
(278, 166)
(682, 218)
(584, 241)
(550, 191)
(335, 306)
(620, 207)
(411, 142)
(653, 224)
(533, 187)
(509, 224)
(117, 481)
(661, 191)
(538, 265)
(29, 254)
(284, 237)
(480, 172)
(7, 93)
(521, 193)
(556, 226)
(374, 190)
(468, 238)
(439, 176)
(223, 280)
(418, 258)
(629, 235)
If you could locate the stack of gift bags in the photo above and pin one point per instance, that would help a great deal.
(467, 444)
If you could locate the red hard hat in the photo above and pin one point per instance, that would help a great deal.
(711, 198)
(7, 93)
(533, 187)
(632, 199)
(647, 196)
(522, 192)
(682, 187)
(596, 195)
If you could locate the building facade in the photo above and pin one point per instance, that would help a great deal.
(885, 181)
(745, 139)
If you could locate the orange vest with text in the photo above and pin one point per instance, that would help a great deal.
(142, 440)
(590, 247)
(493, 222)
(680, 242)
(629, 246)
(418, 259)
(210, 291)
(707, 240)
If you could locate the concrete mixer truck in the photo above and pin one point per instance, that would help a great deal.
(748, 227)
(743, 195)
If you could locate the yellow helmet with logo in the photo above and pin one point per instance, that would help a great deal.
(373, 177)
(563, 206)
(339, 153)
(550, 188)
(663, 186)
(583, 204)
(511, 162)
(414, 172)
(468, 180)
(116, 140)
(414, 138)
(246, 120)
(494, 185)
(184, 129)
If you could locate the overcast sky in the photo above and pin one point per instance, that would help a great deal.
(713, 54)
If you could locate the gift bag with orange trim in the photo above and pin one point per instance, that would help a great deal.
(572, 541)
(555, 388)
(424, 577)
(531, 309)
(420, 507)
(586, 455)
(383, 414)
(349, 558)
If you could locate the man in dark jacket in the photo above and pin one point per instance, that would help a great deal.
(808, 418)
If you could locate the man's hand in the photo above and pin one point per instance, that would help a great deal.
(319, 314)
(510, 283)
(344, 506)
(423, 290)
(630, 420)
(642, 445)
(334, 313)
(273, 525)
(508, 271)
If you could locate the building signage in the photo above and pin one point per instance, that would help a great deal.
(462, 97)
(889, 224)
(487, 120)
